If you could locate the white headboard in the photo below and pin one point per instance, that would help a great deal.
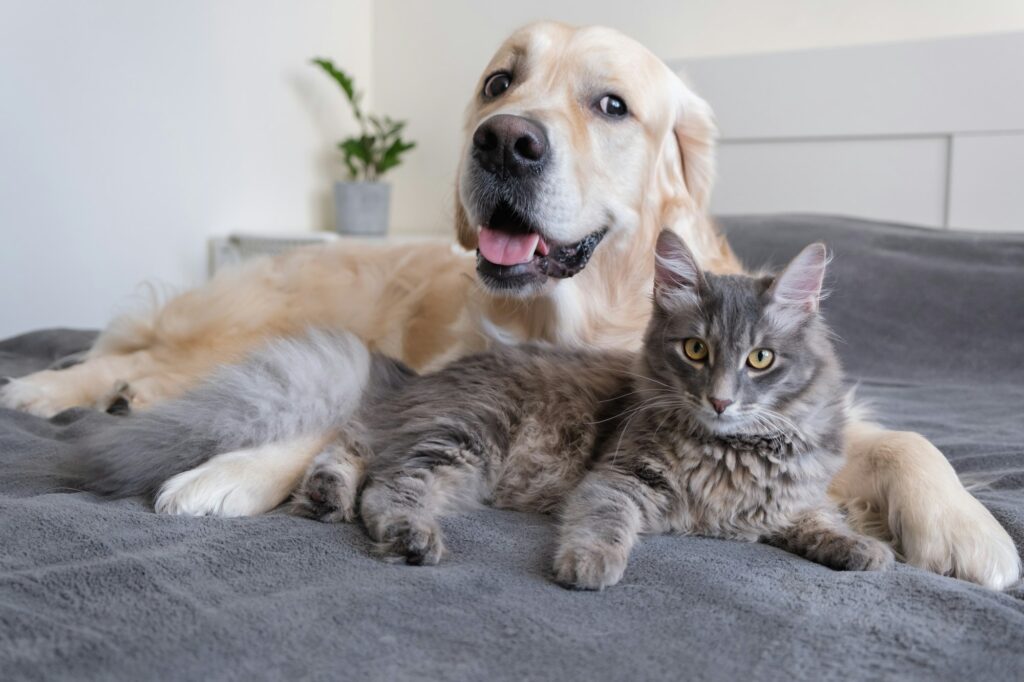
(929, 133)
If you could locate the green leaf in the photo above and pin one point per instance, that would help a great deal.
(358, 149)
(379, 147)
(346, 83)
(353, 172)
(396, 127)
(392, 155)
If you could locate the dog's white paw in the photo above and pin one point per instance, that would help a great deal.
(241, 483)
(37, 394)
(223, 486)
(959, 537)
(206, 491)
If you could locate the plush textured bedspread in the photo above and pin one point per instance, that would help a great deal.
(931, 323)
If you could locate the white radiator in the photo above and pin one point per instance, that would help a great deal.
(235, 248)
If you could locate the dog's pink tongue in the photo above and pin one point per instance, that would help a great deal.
(502, 248)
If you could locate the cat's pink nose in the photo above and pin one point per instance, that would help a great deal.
(719, 405)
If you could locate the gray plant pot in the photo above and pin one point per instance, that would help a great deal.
(362, 208)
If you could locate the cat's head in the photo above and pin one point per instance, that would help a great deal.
(742, 354)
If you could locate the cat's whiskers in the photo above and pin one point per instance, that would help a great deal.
(646, 404)
(624, 395)
(772, 424)
(643, 407)
(633, 408)
(777, 419)
(682, 404)
(647, 378)
(765, 424)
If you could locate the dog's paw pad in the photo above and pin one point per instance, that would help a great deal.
(118, 400)
(120, 406)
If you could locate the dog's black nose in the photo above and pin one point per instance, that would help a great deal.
(512, 144)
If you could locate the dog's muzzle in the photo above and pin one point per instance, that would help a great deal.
(509, 156)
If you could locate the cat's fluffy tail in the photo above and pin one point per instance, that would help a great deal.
(290, 388)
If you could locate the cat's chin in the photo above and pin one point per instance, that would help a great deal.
(721, 425)
(728, 425)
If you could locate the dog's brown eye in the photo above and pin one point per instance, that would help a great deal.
(610, 105)
(497, 83)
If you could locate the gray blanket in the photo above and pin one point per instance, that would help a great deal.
(932, 324)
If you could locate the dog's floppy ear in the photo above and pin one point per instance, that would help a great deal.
(695, 134)
(688, 156)
(464, 232)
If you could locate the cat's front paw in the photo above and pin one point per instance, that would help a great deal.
(417, 542)
(325, 495)
(861, 553)
(589, 568)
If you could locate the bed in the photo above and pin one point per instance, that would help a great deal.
(931, 325)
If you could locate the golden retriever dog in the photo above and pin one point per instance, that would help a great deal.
(580, 146)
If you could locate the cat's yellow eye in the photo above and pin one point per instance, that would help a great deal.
(695, 349)
(761, 358)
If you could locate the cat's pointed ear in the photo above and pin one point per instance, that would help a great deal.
(677, 276)
(799, 284)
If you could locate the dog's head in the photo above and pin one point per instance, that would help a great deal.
(577, 140)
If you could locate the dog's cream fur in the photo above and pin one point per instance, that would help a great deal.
(237, 483)
(422, 303)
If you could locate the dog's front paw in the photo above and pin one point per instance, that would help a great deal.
(42, 394)
(327, 495)
(958, 537)
(589, 568)
(417, 542)
(204, 491)
(228, 485)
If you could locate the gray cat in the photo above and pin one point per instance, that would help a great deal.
(728, 423)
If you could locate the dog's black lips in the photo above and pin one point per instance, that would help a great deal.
(566, 261)
(561, 262)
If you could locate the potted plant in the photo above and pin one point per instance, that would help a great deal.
(362, 203)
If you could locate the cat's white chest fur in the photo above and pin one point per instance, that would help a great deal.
(725, 492)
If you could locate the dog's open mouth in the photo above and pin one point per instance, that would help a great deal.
(508, 239)
(512, 253)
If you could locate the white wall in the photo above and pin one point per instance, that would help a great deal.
(427, 56)
(131, 131)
